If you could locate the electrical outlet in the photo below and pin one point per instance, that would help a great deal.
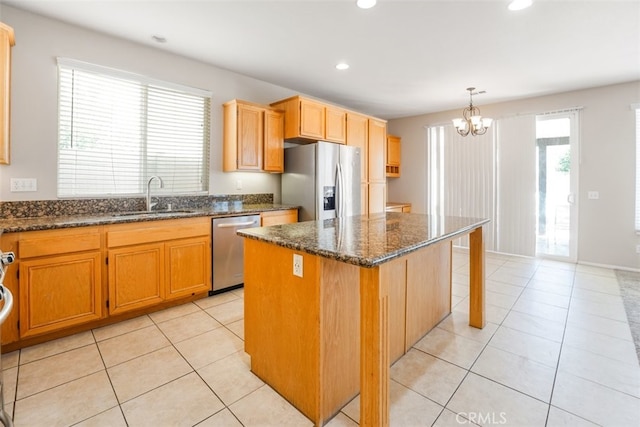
(638, 249)
(24, 184)
(593, 195)
(297, 265)
(239, 184)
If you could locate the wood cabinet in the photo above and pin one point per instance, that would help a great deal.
(273, 148)
(252, 138)
(278, 217)
(377, 151)
(312, 120)
(358, 136)
(335, 129)
(393, 156)
(7, 40)
(60, 279)
(369, 135)
(156, 261)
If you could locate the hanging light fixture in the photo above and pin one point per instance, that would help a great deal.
(472, 122)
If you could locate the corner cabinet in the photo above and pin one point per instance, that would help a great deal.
(7, 40)
(253, 138)
(393, 156)
(312, 120)
(60, 279)
(156, 261)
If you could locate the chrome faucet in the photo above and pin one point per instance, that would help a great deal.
(149, 204)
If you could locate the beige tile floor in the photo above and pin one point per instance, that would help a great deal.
(557, 351)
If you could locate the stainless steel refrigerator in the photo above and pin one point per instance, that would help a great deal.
(323, 179)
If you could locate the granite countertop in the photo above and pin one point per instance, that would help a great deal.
(54, 222)
(365, 241)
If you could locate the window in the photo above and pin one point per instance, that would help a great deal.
(117, 129)
(637, 108)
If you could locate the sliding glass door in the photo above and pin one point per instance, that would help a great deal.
(556, 185)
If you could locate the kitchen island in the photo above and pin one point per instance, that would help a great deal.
(329, 305)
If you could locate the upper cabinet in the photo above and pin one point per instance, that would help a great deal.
(312, 120)
(6, 41)
(393, 156)
(252, 138)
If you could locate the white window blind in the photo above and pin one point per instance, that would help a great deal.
(117, 129)
(637, 108)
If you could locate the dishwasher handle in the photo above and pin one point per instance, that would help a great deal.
(236, 224)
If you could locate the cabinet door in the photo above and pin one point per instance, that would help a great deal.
(377, 151)
(136, 277)
(377, 199)
(188, 271)
(250, 137)
(57, 292)
(311, 119)
(273, 141)
(6, 41)
(335, 125)
(357, 136)
(428, 290)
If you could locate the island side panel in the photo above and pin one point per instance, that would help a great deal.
(282, 322)
(428, 289)
(476, 279)
(340, 331)
(394, 274)
(374, 348)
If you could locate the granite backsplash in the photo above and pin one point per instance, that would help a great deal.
(44, 208)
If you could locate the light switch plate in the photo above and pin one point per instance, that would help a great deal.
(297, 265)
(593, 195)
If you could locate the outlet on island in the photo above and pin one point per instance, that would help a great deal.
(297, 265)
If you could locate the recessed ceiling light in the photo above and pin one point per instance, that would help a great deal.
(342, 66)
(365, 4)
(520, 4)
(159, 39)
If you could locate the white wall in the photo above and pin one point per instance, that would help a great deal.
(606, 234)
(34, 116)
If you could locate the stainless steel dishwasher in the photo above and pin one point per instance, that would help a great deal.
(227, 252)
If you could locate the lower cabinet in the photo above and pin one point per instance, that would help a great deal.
(136, 277)
(60, 280)
(188, 263)
(278, 217)
(157, 261)
(67, 280)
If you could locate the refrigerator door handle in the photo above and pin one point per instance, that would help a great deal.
(339, 189)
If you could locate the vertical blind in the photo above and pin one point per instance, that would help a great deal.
(117, 129)
(461, 174)
(637, 108)
(517, 185)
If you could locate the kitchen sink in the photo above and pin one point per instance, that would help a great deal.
(153, 213)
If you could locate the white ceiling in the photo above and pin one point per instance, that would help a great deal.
(407, 57)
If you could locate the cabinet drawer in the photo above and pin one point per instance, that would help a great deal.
(57, 242)
(278, 217)
(157, 231)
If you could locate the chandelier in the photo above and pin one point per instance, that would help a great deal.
(472, 122)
